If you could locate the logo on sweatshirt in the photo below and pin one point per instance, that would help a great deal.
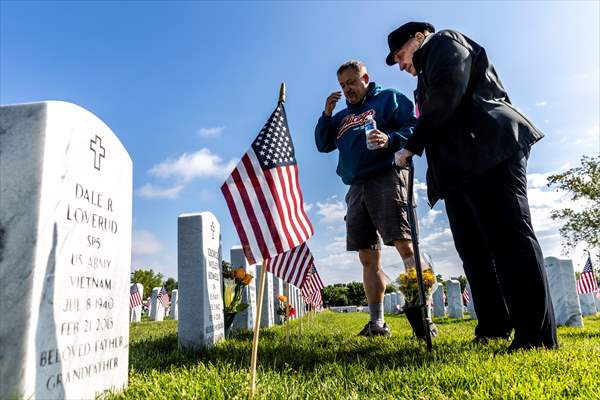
(351, 120)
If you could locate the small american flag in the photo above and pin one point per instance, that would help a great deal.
(163, 297)
(263, 194)
(135, 299)
(292, 266)
(312, 283)
(314, 299)
(587, 280)
(465, 296)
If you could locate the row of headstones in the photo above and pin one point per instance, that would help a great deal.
(274, 287)
(455, 307)
(393, 302)
(201, 314)
(156, 310)
(569, 307)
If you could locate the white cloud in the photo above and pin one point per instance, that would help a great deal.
(590, 137)
(308, 206)
(211, 132)
(150, 191)
(145, 243)
(331, 211)
(536, 181)
(429, 218)
(541, 103)
(418, 185)
(200, 164)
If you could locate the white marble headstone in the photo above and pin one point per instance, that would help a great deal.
(439, 308)
(199, 273)
(267, 315)
(455, 302)
(174, 304)
(401, 300)
(157, 310)
(245, 319)
(394, 301)
(387, 303)
(65, 253)
(471, 304)
(588, 304)
(136, 312)
(563, 290)
(297, 301)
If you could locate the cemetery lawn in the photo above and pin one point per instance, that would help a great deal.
(330, 362)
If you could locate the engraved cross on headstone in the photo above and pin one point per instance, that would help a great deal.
(212, 229)
(99, 151)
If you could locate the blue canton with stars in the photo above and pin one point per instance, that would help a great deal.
(273, 145)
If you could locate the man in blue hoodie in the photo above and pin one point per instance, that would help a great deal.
(376, 200)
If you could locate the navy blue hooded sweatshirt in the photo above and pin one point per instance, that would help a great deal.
(394, 114)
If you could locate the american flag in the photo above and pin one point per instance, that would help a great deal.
(587, 280)
(314, 299)
(292, 266)
(163, 297)
(135, 299)
(465, 296)
(263, 194)
(312, 283)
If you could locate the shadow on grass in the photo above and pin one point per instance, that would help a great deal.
(308, 353)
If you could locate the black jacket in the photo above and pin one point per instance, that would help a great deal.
(467, 123)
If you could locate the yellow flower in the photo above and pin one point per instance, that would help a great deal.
(282, 298)
(228, 296)
(239, 273)
(246, 280)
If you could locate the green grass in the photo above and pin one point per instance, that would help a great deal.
(330, 362)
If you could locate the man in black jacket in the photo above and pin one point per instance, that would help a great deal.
(477, 146)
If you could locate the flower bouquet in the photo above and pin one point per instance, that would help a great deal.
(285, 310)
(233, 284)
(409, 286)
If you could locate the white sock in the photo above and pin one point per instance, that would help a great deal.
(376, 312)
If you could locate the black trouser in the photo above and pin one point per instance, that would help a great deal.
(503, 261)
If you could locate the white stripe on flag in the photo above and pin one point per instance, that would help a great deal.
(260, 216)
(246, 225)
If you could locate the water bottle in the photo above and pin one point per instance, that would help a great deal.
(370, 125)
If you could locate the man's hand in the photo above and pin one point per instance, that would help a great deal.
(331, 101)
(379, 137)
(401, 157)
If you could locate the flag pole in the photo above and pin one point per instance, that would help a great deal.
(282, 93)
(287, 318)
(263, 274)
(261, 289)
(300, 306)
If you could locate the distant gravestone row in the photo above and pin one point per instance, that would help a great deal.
(569, 307)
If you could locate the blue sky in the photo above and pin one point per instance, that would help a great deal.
(187, 85)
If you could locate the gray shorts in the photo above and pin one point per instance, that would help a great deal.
(377, 205)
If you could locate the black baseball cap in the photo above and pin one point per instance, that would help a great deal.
(397, 38)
